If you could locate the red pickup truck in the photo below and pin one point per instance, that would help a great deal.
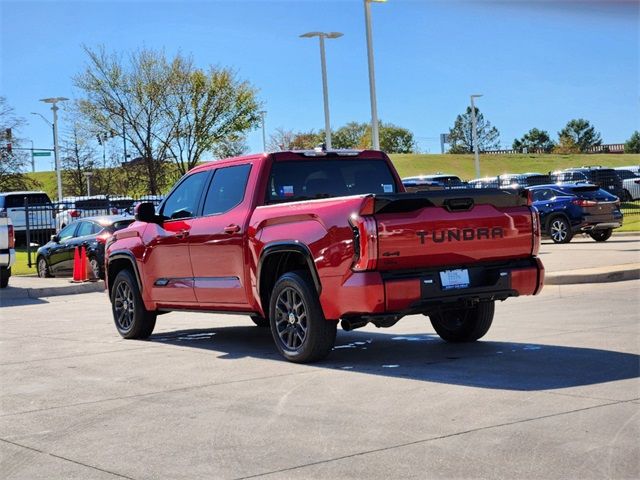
(302, 240)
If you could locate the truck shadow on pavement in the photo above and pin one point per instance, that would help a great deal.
(484, 364)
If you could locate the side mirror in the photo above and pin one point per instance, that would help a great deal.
(146, 212)
(55, 238)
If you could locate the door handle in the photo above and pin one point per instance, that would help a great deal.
(232, 228)
(182, 234)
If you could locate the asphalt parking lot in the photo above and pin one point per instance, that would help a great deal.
(551, 392)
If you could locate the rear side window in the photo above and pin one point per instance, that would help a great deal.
(226, 189)
(184, 200)
(624, 174)
(87, 228)
(290, 181)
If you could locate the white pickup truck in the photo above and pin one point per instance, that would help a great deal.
(7, 250)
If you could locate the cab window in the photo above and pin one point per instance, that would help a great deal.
(184, 200)
(87, 228)
(226, 189)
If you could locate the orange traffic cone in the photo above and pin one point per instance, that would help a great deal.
(77, 276)
(84, 265)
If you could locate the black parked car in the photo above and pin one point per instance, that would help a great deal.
(56, 257)
(606, 178)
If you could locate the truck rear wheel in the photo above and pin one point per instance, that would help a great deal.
(465, 324)
(298, 326)
(131, 318)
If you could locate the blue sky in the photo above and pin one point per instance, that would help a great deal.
(538, 63)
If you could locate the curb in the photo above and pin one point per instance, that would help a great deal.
(614, 273)
(34, 293)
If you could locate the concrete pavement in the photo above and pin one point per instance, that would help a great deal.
(552, 391)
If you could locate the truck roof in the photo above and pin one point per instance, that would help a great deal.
(291, 155)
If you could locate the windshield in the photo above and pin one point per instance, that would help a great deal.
(290, 181)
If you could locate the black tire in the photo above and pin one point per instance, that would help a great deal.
(626, 196)
(5, 273)
(96, 269)
(601, 235)
(132, 320)
(43, 268)
(559, 229)
(260, 321)
(299, 329)
(465, 324)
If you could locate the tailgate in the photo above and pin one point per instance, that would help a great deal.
(455, 227)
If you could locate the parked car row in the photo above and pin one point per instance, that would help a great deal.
(56, 257)
(570, 201)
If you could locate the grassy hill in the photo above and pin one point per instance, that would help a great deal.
(461, 165)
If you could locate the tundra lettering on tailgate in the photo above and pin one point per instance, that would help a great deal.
(464, 235)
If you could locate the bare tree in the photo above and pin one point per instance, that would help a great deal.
(128, 100)
(281, 139)
(12, 160)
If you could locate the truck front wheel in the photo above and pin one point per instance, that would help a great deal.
(298, 326)
(465, 324)
(131, 318)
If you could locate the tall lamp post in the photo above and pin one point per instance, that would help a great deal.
(474, 135)
(54, 107)
(263, 113)
(327, 121)
(375, 136)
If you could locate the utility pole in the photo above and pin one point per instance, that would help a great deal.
(263, 113)
(54, 107)
(33, 159)
(474, 135)
(325, 88)
(375, 135)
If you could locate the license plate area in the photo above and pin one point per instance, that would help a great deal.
(454, 279)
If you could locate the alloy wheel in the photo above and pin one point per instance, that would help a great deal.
(291, 319)
(558, 230)
(124, 306)
(42, 268)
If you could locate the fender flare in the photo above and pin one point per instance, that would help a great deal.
(125, 254)
(292, 246)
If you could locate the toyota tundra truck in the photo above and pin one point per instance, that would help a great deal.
(302, 240)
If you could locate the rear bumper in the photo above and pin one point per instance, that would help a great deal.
(7, 257)
(376, 293)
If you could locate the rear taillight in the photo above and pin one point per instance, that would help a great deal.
(114, 211)
(535, 225)
(12, 237)
(74, 213)
(365, 242)
(104, 237)
(581, 202)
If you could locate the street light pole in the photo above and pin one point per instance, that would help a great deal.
(474, 135)
(375, 136)
(264, 135)
(54, 107)
(325, 88)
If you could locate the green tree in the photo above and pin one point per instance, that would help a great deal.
(633, 144)
(307, 140)
(582, 133)
(394, 139)
(566, 146)
(14, 162)
(350, 135)
(208, 112)
(534, 140)
(461, 137)
(232, 146)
